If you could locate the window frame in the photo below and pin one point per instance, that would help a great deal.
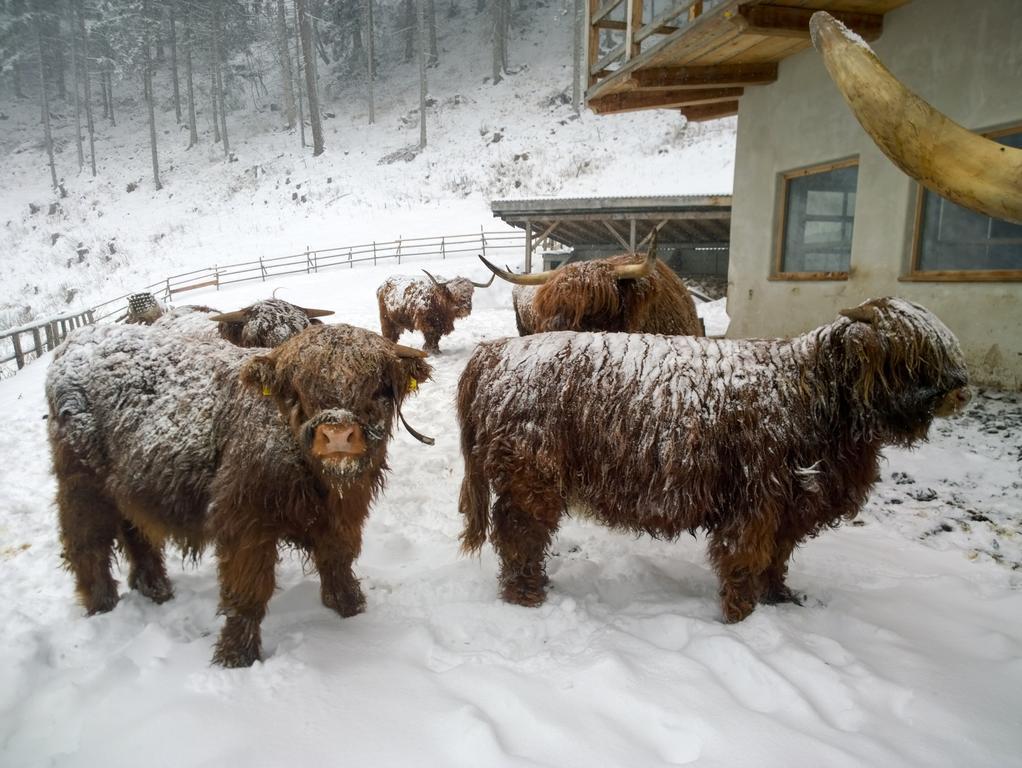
(917, 275)
(785, 178)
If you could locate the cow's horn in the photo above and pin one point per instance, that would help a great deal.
(436, 282)
(483, 285)
(964, 167)
(310, 313)
(238, 316)
(531, 279)
(643, 268)
(863, 313)
(409, 352)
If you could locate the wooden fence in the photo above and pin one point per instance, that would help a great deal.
(47, 334)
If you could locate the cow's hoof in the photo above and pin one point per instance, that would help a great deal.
(736, 608)
(233, 658)
(157, 589)
(528, 597)
(101, 602)
(782, 594)
(346, 605)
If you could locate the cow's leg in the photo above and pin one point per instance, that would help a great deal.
(388, 329)
(333, 554)
(246, 584)
(521, 535)
(741, 556)
(775, 590)
(147, 572)
(89, 523)
(432, 344)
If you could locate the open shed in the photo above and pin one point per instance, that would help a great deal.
(694, 230)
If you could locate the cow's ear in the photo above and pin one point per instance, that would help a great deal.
(260, 373)
(407, 375)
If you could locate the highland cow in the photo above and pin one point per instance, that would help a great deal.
(158, 436)
(612, 294)
(413, 304)
(760, 443)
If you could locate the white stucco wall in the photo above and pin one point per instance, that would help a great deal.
(965, 58)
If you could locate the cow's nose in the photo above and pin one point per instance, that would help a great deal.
(339, 440)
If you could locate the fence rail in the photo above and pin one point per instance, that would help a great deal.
(47, 334)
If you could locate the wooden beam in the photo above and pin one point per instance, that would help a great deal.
(699, 113)
(785, 21)
(622, 26)
(701, 77)
(614, 232)
(663, 99)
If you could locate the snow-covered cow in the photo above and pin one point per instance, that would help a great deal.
(428, 306)
(618, 293)
(761, 443)
(265, 323)
(158, 435)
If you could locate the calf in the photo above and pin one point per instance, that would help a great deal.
(160, 436)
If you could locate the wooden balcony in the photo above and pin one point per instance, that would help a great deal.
(698, 56)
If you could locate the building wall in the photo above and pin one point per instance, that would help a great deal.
(965, 58)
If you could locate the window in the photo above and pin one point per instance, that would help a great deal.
(814, 237)
(953, 243)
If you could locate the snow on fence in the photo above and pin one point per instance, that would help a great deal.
(25, 343)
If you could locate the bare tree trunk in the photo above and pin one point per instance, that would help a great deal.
(88, 88)
(173, 61)
(18, 91)
(110, 93)
(74, 78)
(148, 75)
(45, 97)
(422, 73)
(498, 40)
(298, 74)
(193, 134)
(285, 65)
(212, 95)
(58, 58)
(576, 60)
(104, 97)
(434, 54)
(309, 54)
(409, 28)
(218, 57)
(370, 63)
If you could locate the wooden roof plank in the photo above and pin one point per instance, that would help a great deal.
(736, 75)
(661, 99)
(788, 21)
(701, 112)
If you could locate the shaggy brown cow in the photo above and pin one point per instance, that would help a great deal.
(265, 323)
(430, 307)
(761, 443)
(160, 436)
(613, 294)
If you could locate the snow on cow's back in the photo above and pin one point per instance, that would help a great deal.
(402, 293)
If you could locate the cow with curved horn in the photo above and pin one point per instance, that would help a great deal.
(619, 293)
(266, 323)
(428, 306)
(161, 435)
(762, 443)
(966, 168)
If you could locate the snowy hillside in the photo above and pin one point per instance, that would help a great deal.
(518, 138)
(907, 652)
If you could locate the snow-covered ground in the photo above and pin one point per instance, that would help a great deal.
(907, 653)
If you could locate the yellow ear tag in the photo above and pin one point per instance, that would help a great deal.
(266, 390)
(412, 385)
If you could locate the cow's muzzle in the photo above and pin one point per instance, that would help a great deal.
(953, 402)
(334, 435)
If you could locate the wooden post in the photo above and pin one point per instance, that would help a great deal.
(482, 239)
(50, 342)
(374, 253)
(443, 250)
(695, 11)
(633, 23)
(262, 269)
(528, 246)
(399, 249)
(166, 296)
(593, 36)
(90, 316)
(308, 263)
(19, 356)
(37, 337)
(631, 235)
(216, 275)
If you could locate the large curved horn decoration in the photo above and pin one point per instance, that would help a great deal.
(409, 353)
(966, 168)
(483, 285)
(238, 316)
(537, 278)
(643, 268)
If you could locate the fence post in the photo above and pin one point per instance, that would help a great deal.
(482, 239)
(308, 262)
(91, 316)
(351, 264)
(37, 337)
(166, 296)
(262, 269)
(399, 249)
(216, 275)
(374, 253)
(19, 356)
(443, 249)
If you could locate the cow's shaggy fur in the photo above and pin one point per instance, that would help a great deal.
(761, 443)
(588, 296)
(419, 304)
(160, 436)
